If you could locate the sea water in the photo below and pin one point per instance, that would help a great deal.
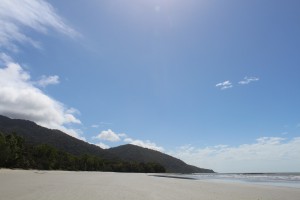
(275, 179)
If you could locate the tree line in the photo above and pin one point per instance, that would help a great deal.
(15, 153)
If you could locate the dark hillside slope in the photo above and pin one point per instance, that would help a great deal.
(173, 165)
(35, 135)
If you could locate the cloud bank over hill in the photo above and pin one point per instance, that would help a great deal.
(111, 136)
(21, 99)
(20, 96)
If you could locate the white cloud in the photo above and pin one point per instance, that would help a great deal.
(227, 84)
(267, 154)
(19, 98)
(224, 85)
(95, 126)
(102, 145)
(248, 80)
(5, 59)
(48, 80)
(111, 136)
(146, 144)
(38, 15)
(108, 135)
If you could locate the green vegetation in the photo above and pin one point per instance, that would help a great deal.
(14, 153)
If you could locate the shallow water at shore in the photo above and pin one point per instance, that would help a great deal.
(274, 179)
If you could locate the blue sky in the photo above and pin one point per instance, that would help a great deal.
(214, 83)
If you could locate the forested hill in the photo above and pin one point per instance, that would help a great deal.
(15, 153)
(135, 153)
(37, 135)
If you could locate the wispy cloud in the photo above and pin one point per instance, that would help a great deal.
(20, 98)
(5, 59)
(37, 15)
(48, 80)
(248, 80)
(102, 124)
(224, 85)
(278, 154)
(227, 84)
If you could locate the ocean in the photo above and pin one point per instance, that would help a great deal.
(274, 179)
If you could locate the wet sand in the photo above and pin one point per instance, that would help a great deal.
(46, 185)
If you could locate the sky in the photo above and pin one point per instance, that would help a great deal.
(214, 83)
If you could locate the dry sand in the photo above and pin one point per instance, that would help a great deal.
(63, 185)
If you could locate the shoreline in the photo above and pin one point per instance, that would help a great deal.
(40, 184)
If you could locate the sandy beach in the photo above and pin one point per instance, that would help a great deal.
(46, 185)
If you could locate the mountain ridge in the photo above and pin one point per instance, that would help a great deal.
(35, 135)
(174, 165)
